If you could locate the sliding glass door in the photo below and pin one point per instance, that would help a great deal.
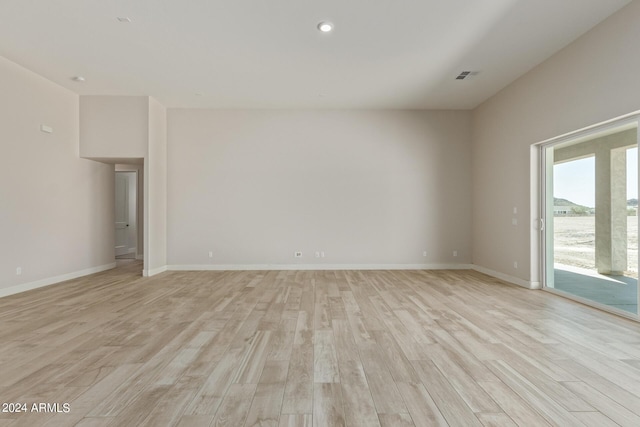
(590, 203)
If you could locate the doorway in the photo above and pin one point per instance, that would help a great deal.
(590, 216)
(126, 214)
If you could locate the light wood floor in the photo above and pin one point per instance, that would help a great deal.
(375, 348)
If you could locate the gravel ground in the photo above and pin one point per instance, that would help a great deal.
(574, 239)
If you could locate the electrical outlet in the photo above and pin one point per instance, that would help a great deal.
(18, 271)
(317, 254)
(515, 264)
(322, 254)
(424, 253)
(515, 210)
(514, 221)
(297, 254)
(455, 253)
(210, 254)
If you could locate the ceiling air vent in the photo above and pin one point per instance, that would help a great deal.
(464, 74)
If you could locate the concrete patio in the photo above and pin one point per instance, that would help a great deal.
(620, 292)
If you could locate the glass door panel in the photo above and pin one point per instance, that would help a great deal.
(591, 218)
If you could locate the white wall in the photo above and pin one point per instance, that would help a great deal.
(120, 128)
(156, 188)
(56, 210)
(592, 80)
(114, 126)
(365, 187)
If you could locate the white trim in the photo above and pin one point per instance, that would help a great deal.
(507, 278)
(539, 255)
(602, 126)
(53, 280)
(221, 267)
(154, 271)
(536, 213)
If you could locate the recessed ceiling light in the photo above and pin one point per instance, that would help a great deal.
(78, 79)
(123, 19)
(325, 27)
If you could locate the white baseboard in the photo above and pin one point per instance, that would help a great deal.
(154, 271)
(219, 267)
(535, 285)
(53, 280)
(507, 278)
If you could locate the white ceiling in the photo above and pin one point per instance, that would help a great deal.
(268, 53)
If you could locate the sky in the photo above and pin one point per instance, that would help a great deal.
(575, 181)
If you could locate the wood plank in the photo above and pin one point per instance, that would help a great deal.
(451, 405)
(496, 420)
(235, 406)
(325, 365)
(327, 405)
(296, 420)
(172, 404)
(195, 420)
(513, 405)
(266, 405)
(552, 411)
(396, 420)
(346, 348)
(359, 408)
(213, 391)
(298, 395)
(473, 395)
(420, 404)
(250, 367)
(390, 348)
(604, 404)
(396, 361)
(595, 419)
(605, 386)
(140, 407)
(381, 383)
(267, 401)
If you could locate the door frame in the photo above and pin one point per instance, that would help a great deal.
(539, 208)
(136, 213)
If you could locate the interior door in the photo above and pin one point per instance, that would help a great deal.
(122, 214)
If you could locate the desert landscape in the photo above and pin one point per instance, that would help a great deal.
(574, 238)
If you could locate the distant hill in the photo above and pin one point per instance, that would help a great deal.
(565, 202)
(567, 207)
